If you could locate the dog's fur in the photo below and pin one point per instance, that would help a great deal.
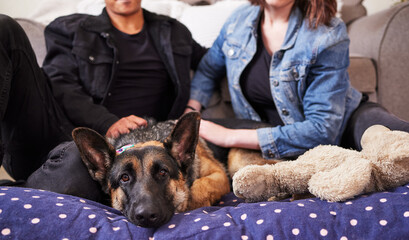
(237, 158)
(168, 169)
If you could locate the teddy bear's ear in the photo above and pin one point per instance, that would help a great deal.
(373, 133)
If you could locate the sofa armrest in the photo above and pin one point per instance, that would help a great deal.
(383, 37)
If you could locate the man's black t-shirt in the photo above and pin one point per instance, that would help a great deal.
(142, 86)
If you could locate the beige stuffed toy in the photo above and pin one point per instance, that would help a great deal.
(332, 173)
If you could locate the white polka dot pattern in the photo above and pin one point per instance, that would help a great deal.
(5, 231)
(26, 211)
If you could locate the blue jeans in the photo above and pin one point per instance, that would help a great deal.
(64, 172)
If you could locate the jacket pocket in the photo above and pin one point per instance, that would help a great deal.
(94, 70)
(90, 56)
(182, 50)
(293, 79)
(231, 50)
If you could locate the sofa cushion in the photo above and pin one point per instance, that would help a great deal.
(351, 10)
(35, 33)
(205, 22)
(362, 73)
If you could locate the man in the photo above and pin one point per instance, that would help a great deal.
(105, 72)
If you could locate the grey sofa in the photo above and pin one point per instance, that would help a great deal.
(382, 38)
(379, 54)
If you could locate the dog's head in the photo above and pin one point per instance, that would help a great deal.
(147, 181)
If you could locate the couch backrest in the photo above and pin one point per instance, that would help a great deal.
(351, 10)
(204, 22)
(35, 33)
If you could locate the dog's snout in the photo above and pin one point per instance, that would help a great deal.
(146, 216)
(146, 209)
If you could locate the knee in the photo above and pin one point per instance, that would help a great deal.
(5, 18)
(66, 151)
(7, 22)
(9, 28)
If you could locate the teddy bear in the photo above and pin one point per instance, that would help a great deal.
(331, 172)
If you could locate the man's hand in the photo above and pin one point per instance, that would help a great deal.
(125, 125)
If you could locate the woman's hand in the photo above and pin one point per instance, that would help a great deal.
(125, 125)
(226, 137)
(215, 133)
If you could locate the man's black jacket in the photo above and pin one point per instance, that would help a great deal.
(81, 63)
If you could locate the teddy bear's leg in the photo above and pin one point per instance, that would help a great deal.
(343, 182)
(260, 183)
(255, 183)
(239, 158)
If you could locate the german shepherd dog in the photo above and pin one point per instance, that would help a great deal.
(155, 171)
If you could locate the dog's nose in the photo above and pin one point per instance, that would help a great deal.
(147, 218)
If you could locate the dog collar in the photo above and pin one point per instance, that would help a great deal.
(124, 148)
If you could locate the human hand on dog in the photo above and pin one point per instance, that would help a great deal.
(228, 138)
(125, 125)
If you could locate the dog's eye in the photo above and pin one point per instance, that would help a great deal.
(125, 178)
(163, 172)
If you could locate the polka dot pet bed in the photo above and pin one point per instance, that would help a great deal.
(35, 214)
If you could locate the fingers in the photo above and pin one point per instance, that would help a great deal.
(112, 133)
(124, 125)
(115, 130)
(137, 120)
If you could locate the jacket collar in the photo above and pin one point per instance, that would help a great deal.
(294, 24)
(102, 22)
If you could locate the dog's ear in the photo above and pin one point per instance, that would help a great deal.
(96, 153)
(182, 142)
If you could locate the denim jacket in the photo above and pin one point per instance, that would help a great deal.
(308, 78)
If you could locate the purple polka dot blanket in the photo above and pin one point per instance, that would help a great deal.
(35, 214)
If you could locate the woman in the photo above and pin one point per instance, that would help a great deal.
(286, 63)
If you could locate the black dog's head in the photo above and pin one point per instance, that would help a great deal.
(147, 181)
